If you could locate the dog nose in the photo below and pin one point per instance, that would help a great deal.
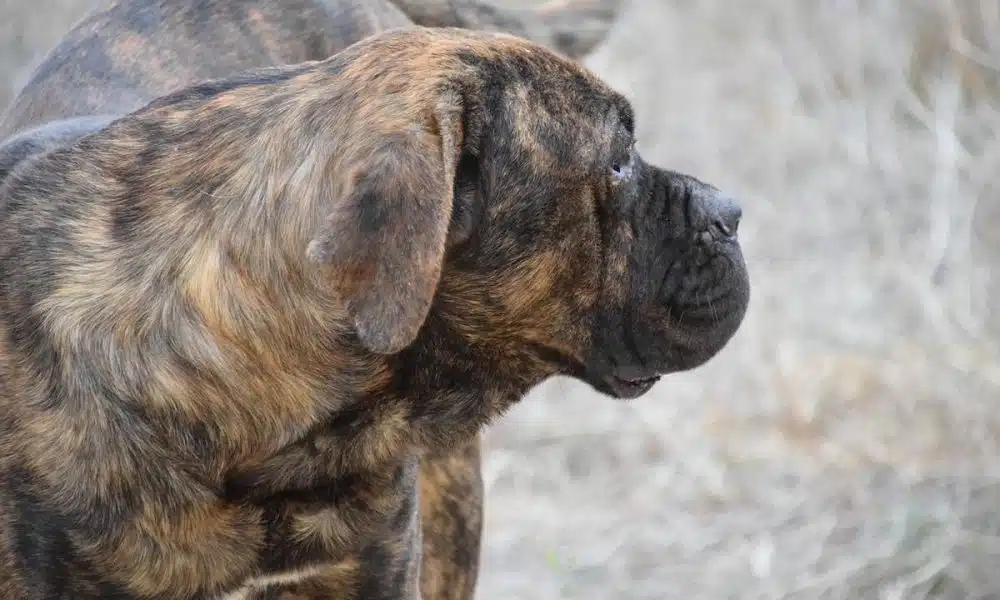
(723, 215)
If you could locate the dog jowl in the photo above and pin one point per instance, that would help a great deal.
(266, 285)
(569, 248)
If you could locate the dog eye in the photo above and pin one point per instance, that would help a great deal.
(621, 170)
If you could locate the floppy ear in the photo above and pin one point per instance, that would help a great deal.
(385, 240)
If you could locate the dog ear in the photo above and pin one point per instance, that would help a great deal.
(384, 241)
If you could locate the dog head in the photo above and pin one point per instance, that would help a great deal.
(434, 185)
(498, 183)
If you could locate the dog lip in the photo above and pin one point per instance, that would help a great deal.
(639, 380)
(628, 388)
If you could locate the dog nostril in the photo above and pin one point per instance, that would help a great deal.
(727, 217)
(727, 229)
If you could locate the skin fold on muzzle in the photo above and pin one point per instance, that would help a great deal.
(689, 288)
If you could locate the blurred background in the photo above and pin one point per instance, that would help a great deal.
(846, 444)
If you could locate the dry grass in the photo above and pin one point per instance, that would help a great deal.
(845, 444)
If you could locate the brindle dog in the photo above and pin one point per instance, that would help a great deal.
(119, 59)
(233, 319)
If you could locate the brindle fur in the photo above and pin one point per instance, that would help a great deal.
(118, 59)
(121, 58)
(233, 319)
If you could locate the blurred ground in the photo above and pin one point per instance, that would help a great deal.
(846, 444)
